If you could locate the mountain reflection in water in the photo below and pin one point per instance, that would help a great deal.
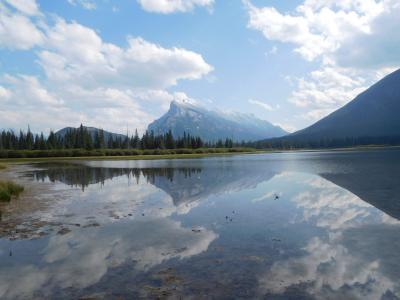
(265, 226)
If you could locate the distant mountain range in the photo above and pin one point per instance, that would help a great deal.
(212, 125)
(373, 116)
(92, 130)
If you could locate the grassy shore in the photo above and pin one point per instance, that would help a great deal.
(3, 167)
(9, 189)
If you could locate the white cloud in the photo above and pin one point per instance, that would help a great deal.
(18, 31)
(173, 6)
(29, 92)
(27, 7)
(77, 53)
(27, 101)
(86, 4)
(328, 87)
(354, 42)
(263, 105)
(316, 27)
(5, 94)
(377, 48)
(285, 28)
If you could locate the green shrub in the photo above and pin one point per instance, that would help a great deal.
(9, 189)
(5, 196)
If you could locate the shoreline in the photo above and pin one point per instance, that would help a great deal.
(127, 157)
(4, 161)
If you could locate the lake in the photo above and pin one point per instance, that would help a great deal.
(311, 225)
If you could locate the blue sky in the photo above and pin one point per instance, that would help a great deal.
(114, 64)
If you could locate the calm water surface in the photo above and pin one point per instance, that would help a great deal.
(273, 226)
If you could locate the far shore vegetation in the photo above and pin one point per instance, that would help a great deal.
(82, 138)
(15, 155)
(9, 189)
(81, 142)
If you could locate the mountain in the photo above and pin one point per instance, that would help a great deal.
(212, 125)
(92, 131)
(373, 113)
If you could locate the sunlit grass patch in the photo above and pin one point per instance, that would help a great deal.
(9, 189)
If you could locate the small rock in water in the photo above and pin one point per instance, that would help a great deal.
(94, 224)
(130, 215)
(64, 231)
(276, 240)
(143, 214)
(10, 253)
(196, 230)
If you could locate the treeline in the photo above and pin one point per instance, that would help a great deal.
(324, 143)
(82, 138)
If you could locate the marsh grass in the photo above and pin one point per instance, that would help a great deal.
(9, 189)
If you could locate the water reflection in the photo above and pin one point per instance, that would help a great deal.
(183, 184)
(80, 175)
(81, 258)
(239, 228)
(345, 262)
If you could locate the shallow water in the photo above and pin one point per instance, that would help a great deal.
(273, 226)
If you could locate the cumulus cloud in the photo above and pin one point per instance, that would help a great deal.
(377, 48)
(317, 27)
(17, 29)
(328, 88)
(87, 79)
(352, 41)
(78, 54)
(173, 6)
(26, 94)
(28, 91)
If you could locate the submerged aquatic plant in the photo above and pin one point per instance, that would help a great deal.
(9, 189)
